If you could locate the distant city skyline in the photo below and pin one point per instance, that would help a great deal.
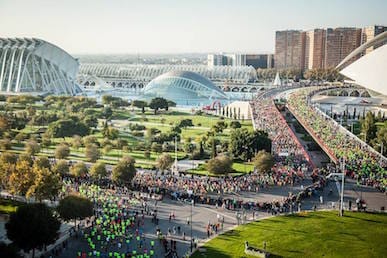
(172, 26)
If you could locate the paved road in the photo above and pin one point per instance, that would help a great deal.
(204, 214)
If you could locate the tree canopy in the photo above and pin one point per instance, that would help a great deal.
(164, 161)
(220, 165)
(158, 103)
(92, 153)
(263, 161)
(47, 184)
(75, 207)
(33, 226)
(79, 169)
(62, 151)
(98, 170)
(244, 143)
(124, 171)
(68, 127)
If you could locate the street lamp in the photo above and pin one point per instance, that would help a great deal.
(342, 186)
(381, 147)
(192, 203)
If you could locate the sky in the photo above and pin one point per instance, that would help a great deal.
(177, 26)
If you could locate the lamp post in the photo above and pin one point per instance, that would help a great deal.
(192, 203)
(342, 186)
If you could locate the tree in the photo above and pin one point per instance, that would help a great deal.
(98, 170)
(139, 104)
(219, 127)
(91, 121)
(42, 162)
(47, 184)
(107, 148)
(121, 143)
(158, 103)
(32, 147)
(244, 143)
(20, 137)
(74, 207)
(124, 171)
(7, 165)
(185, 123)
(381, 138)
(147, 154)
(90, 139)
(76, 142)
(92, 153)
(263, 161)
(176, 129)
(5, 144)
(107, 112)
(61, 167)
(68, 127)
(33, 226)
(79, 169)
(164, 161)
(21, 178)
(156, 147)
(9, 251)
(46, 139)
(235, 124)
(220, 165)
(110, 132)
(368, 127)
(62, 151)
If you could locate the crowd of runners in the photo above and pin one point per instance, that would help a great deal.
(361, 161)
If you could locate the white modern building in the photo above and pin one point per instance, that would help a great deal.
(146, 73)
(36, 66)
(369, 71)
(229, 59)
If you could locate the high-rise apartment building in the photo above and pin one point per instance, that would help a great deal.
(315, 49)
(318, 48)
(289, 49)
(340, 42)
(371, 32)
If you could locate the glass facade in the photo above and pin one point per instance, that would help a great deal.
(183, 87)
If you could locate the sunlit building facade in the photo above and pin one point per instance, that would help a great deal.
(146, 73)
(34, 65)
(183, 86)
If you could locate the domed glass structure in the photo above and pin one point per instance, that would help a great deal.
(183, 87)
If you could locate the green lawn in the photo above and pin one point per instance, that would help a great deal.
(8, 206)
(162, 121)
(239, 167)
(312, 234)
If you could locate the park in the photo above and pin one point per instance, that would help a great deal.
(144, 179)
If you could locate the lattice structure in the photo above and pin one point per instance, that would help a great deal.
(34, 65)
(235, 74)
(178, 85)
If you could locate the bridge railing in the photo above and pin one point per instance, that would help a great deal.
(351, 135)
(343, 130)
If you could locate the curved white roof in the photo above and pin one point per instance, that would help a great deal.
(182, 84)
(30, 64)
(237, 74)
(370, 71)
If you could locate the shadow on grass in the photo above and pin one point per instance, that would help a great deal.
(210, 252)
(351, 215)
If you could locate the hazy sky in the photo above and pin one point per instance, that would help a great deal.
(172, 26)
